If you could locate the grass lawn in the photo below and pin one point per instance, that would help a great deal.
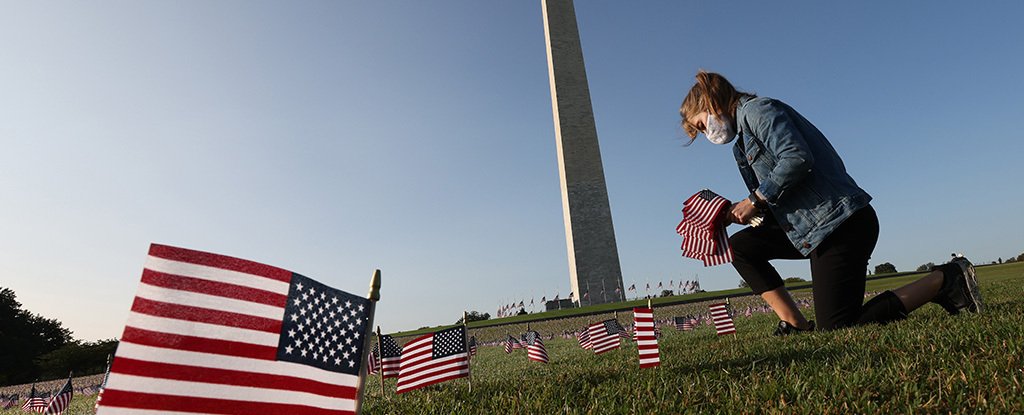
(932, 363)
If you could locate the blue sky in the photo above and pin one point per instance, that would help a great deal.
(332, 138)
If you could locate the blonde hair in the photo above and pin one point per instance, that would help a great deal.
(712, 93)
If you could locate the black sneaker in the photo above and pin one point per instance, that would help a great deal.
(959, 287)
(785, 329)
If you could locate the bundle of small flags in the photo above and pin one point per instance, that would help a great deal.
(703, 228)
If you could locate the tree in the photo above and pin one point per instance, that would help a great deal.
(794, 279)
(885, 268)
(926, 267)
(24, 336)
(666, 293)
(743, 284)
(475, 316)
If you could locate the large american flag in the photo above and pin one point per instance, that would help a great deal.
(433, 358)
(605, 335)
(723, 321)
(535, 347)
(34, 402)
(390, 357)
(646, 341)
(703, 228)
(214, 334)
(59, 402)
(584, 339)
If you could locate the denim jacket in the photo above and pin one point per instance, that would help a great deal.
(792, 165)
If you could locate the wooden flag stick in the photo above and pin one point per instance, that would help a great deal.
(380, 355)
(373, 296)
(465, 339)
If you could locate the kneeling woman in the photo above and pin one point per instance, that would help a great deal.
(813, 210)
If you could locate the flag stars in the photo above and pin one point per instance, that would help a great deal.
(298, 286)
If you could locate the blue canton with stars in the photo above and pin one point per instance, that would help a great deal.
(323, 327)
(449, 342)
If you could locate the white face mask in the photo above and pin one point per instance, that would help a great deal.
(718, 131)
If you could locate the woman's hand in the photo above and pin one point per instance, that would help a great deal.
(742, 212)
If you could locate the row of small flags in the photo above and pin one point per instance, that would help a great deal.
(35, 402)
(237, 336)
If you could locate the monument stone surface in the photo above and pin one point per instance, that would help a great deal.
(594, 269)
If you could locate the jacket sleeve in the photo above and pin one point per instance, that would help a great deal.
(774, 126)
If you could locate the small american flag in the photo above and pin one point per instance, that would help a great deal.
(584, 338)
(684, 323)
(472, 346)
(373, 361)
(99, 396)
(11, 402)
(535, 347)
(59, 402)
(35, 402)
(646, 340)
(605, 335)
(508, 344)
(703, 229)
(214, 334)
(723, 321)
(391, 356)
(434, 358)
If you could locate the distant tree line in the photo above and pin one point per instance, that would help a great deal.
(34, 347)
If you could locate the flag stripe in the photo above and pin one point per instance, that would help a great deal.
(209, 287)
(194, 390)
(211, 331)
(198, 344)
(203, 272)
(191, 404)
(221, 262)
(204, 315)
(204, 360)
(182, 298)
(232, 378)
(412, 377)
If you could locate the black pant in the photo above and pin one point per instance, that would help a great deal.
(838, 269)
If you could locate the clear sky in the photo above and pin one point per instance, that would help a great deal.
(331, 138)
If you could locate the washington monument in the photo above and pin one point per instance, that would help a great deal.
(594, 270)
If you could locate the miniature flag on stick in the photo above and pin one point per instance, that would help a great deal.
(605, 335)
(214, 334)
(723, 322)
(508, 344)
(646, 341)
(11, 402)
(35, 402)
(472, 346)
(434, 358)
(390, 356)
(535, 347)
(584, 339)
(59, 402)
